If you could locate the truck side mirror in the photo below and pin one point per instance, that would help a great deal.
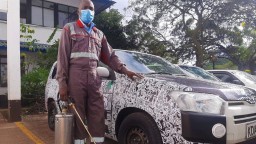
(102, 72)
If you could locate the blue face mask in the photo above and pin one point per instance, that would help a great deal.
(87, 16)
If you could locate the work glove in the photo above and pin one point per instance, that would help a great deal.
(132, 75)
(63, 94)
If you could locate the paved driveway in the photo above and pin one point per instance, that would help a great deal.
(38, 126)
(32, 129)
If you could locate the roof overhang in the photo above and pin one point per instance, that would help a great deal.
(24, 47)
(101, 5)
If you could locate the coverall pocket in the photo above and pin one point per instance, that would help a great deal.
(98, 44)
(77, 37)
(98, 47)
(77, 42)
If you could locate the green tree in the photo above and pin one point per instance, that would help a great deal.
(143, 40)
(194, 27)
(32, 89)
(243, 52)
(110, 24)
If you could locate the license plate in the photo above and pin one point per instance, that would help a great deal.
(251, 130)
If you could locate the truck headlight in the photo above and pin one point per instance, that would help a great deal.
(199, 102)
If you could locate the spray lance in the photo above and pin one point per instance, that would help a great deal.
(72, 105)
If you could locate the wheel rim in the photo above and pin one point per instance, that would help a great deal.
(137, 136)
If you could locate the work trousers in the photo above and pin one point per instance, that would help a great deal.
(84, 88)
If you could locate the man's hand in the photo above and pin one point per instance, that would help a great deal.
(132, 75)
(63, 94)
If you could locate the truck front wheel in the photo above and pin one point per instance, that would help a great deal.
(139, 128)
(52, 111)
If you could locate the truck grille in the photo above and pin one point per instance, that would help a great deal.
(244, 118)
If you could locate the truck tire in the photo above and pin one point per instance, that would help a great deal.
(52, 111)
(139, 128)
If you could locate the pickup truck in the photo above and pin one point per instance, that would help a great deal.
(168, 107)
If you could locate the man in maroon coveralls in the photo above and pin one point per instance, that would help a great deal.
(81, 47)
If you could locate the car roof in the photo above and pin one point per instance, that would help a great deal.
(186, 65)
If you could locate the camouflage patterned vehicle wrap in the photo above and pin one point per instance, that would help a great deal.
(179, 108)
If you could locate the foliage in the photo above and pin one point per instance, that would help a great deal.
(33, 83)
(45, 60)
(37, 66)
(242, 53)
(143, 40)
(26, 34)
(221, 63)
(29, 42)
(110, 24)
(32, 88)
(194, 27)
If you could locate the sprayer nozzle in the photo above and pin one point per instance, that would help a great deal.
(70, 101)
(64, 110)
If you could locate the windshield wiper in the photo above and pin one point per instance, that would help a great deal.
(167, 73)
(180, 74)
(160, 73)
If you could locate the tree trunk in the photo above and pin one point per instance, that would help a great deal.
(199, 59)
(242, 66)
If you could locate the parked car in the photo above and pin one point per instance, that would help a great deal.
(235, 77)
(199, 72)
(167, 106)
(188, 73)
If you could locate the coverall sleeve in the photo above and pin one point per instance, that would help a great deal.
(63, 57)
(109, 57)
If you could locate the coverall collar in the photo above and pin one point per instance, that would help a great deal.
(80, 23)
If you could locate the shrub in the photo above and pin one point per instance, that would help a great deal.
(33, 87)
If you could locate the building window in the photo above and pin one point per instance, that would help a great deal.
(3, 16)
(42, 13)
(48, 12)
(66, 14)
(37, 15)
(3, 71)
(23, 11)
(63, 15)
(37, 12)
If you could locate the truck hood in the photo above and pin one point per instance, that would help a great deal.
(227, 91)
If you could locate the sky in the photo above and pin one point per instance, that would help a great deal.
(120, 5)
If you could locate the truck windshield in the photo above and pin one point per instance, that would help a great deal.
(146, 63)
